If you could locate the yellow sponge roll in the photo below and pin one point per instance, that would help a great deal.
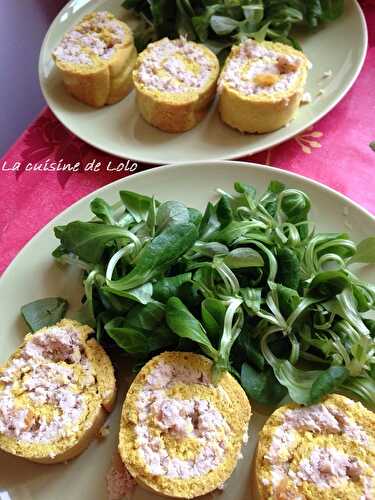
(261, 86)
(181, 435)
(175, 82)
(325, 451)
(96, 59)
(55, 393)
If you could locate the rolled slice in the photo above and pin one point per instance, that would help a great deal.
(325, 451)
(96, 59)
(180, 435)
(261, 86)
(56, 391)
(175, 82)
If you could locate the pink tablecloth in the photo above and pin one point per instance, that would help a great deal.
(335, 152)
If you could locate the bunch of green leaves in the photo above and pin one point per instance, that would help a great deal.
(220, 23)
(249, 282)
(126, 253)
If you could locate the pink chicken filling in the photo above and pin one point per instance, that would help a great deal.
(317, 418)
(173, 58)
(263, 62)
(56, 345)
(328, 468)
(86, 37)
(179, 418)
(37, 372)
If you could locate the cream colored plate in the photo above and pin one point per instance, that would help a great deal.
(120, 130)
(33, 274)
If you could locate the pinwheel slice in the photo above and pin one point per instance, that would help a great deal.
(325, 451)
(96, 59)
(175, 82)
(181, 435)
(261, 86)
(55, 392)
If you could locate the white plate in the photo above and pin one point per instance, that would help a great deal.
(119, 129)
(33, 274)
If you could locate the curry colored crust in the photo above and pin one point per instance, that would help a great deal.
(233, 405)
(307, 442)
(173, 112)
(100, 402)
(105, 81)
(122, 84)
(262, 113)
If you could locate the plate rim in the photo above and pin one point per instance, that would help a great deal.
(341, 95)
(186, 165)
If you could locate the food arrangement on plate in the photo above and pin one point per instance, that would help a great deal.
(221, 315)
(130, 128)
(260, 87)
(243, 300)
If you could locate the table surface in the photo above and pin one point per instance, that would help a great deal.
(20, 95)
(335, 151)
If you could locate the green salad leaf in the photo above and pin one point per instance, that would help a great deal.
(365, 252)
(44, 312)
(185, 325)
(263, 387)
(89, 240)
(157, 255)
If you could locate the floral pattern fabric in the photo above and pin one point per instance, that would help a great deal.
(335, 152)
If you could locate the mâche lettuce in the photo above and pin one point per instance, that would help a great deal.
(250, 283)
